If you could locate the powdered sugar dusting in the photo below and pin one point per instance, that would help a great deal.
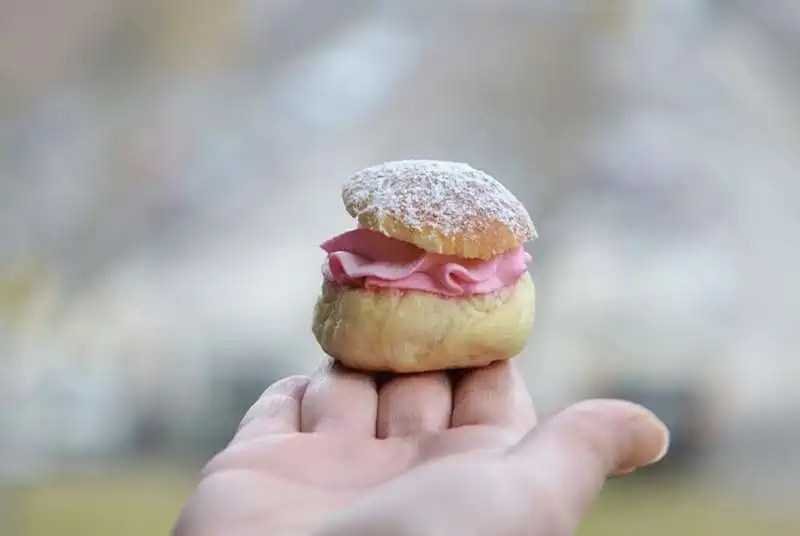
(451, 197)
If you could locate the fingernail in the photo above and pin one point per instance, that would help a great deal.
(650, 441)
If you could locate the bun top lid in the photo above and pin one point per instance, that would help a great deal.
(442, 207)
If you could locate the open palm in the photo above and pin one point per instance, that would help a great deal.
(312, 445)
(315, 448)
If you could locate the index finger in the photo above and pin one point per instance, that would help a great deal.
(340, 399)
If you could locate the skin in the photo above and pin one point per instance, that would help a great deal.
(346, 453)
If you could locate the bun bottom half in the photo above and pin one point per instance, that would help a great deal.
(412, 331)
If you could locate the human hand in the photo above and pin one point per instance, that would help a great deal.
(436, 453)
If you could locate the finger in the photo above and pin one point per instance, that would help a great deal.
(339, 400)
(570, 456)
(495, 395)
(413, 405)
(276, 411)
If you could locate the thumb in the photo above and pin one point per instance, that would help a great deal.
(571, 455)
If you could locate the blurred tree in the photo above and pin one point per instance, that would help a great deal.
(20, 286)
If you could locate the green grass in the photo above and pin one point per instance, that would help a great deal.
(130, 504)
(146, 502)
(681, 510)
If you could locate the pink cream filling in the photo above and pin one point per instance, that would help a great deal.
(368, 259)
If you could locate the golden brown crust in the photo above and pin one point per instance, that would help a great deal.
(441, 207)
(410, 331)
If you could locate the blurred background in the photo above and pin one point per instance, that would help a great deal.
(169, 167)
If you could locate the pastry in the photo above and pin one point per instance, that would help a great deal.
(434, 276)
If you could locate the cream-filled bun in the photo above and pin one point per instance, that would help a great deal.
(435, 275)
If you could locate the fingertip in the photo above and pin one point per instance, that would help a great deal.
(414, 404)
(648, 438)
(340, 398)
(654, 438)
(277, 410)
(495, 395)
